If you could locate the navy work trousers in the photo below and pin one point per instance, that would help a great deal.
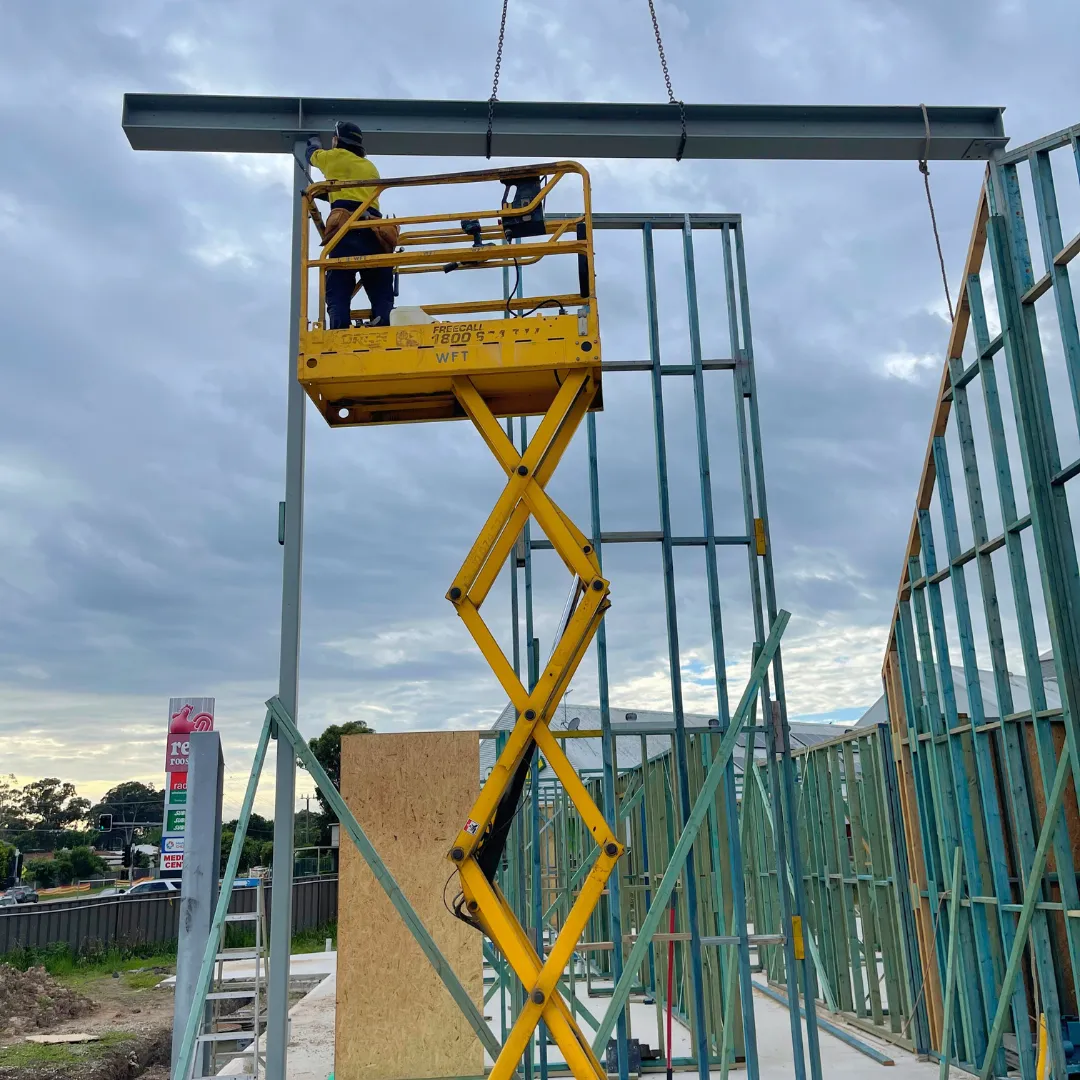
(378, 282)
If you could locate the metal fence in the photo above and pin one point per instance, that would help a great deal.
(116, 921)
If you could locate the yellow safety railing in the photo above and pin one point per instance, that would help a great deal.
(515, 350)
(428, 243)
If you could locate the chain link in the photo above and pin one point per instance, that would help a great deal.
(495, 81)
(672, 100)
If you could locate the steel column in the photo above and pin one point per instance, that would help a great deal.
(277, 1001)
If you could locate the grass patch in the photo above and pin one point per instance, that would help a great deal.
(143, 980)
(27, 1054)
(84, 974)
(314, 940)
(59, 961)
(242, 936)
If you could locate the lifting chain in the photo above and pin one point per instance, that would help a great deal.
(672, 100)
(667, 82)
(495, 81)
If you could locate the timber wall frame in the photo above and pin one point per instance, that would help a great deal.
(549, 851)
(985, 735)
(859, 924)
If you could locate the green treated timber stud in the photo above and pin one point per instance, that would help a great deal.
(879, 936)
(815, 955)
(186, 1055)
(950, 967)
(1032, 889)
(727, 1046)
(630, 796)
(855, 860)
(627, 807)
(846, 913)
(899, 990)
(415, 925)
(689, 833)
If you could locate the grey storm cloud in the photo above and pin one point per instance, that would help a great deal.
(144, 308)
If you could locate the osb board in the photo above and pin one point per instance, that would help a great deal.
(395, 1019)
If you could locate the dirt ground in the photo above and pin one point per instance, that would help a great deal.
(34, 1001)
(129, 1013)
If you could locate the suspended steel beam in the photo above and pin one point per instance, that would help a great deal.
(538, 129)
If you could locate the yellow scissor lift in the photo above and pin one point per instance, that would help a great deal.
(484, 359)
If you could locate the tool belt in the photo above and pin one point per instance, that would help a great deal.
(386, 234)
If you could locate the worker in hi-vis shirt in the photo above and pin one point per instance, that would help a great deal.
(346, 161)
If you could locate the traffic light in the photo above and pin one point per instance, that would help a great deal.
(104, 822)
(127, 855)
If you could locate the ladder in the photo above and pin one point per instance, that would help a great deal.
(236, 1008)
(514, 357)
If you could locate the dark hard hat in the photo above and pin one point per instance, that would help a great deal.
(349, 133)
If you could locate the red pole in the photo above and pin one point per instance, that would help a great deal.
(670, 974)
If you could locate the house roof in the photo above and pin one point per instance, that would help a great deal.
(585, 754)
(1018, 686)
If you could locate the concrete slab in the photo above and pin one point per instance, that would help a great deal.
(302, 966)
(311, 1042)
(311, 1035)
(775, 1057)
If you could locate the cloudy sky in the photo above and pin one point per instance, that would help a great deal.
(144, 310)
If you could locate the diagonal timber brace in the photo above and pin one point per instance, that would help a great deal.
(478, 846)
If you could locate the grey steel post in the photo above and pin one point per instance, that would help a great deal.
(199, 883)
(277, 1017)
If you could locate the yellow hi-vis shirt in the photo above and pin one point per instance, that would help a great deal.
(340, 164)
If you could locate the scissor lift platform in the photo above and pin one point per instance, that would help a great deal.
(398, 374)
(516, 351)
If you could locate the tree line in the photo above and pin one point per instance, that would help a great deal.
(49, 816)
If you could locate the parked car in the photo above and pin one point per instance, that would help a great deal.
(22, 894)
(153, 888)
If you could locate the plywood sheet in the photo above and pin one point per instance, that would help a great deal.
(395, 1020)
